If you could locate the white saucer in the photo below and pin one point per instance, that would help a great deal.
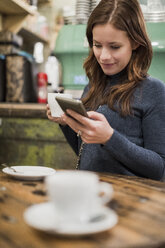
(29, 172)
(41, 217)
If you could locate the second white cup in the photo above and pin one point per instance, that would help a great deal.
(55, 109)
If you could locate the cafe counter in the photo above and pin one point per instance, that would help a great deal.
(23, 110)
(27, 137)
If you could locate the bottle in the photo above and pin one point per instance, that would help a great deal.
(42, 80)
(53, 71)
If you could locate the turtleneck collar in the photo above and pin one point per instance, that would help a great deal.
(115, 78)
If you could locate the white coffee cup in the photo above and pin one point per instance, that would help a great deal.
(77, 195)
(55, 109)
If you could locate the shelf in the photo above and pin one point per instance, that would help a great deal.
(44, 2)
(14, 13)
(13, 7)
(32, 37)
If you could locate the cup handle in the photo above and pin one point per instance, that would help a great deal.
(105, 192)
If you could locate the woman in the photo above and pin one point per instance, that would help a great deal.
(125, 131)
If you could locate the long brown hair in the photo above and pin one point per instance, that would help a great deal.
(125, 15)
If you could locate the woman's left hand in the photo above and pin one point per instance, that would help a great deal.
(94, 129)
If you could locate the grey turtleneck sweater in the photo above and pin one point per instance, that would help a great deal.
(137, 146)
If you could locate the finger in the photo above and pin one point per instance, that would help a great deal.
(75, 115)
(90, 124)
(74, 124)
(47, 107)
(87, 140)
(49, 114)
(50, 117)
(48, 111)
(55, 119)
(96, 116)
(85, 121)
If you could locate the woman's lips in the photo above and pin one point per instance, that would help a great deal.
(107, 65)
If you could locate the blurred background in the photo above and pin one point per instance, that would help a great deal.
(48, 38)
(42, 49)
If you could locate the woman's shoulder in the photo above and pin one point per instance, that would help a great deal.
(153, 91)
(151, 83)
(150, 90)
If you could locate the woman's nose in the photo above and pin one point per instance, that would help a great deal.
(105, 54)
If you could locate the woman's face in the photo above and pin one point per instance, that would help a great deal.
(112, 48)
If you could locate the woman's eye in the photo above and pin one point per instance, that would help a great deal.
(115, 47)
(97, 45)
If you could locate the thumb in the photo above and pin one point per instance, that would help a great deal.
(96, 116)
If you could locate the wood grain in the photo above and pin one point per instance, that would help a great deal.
(139, 203)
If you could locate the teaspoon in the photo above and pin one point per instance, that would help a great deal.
(10, 168)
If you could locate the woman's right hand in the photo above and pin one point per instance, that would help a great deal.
(55, 119)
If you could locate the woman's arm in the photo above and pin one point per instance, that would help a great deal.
(141, 160)
(71, 137)
(147, 161)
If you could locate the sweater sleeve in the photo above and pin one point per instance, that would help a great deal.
(141, 160)
(71, 137)
(149, 160)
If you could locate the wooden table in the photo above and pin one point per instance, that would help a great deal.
(139, 203)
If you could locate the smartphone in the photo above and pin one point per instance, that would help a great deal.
(73, 104)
